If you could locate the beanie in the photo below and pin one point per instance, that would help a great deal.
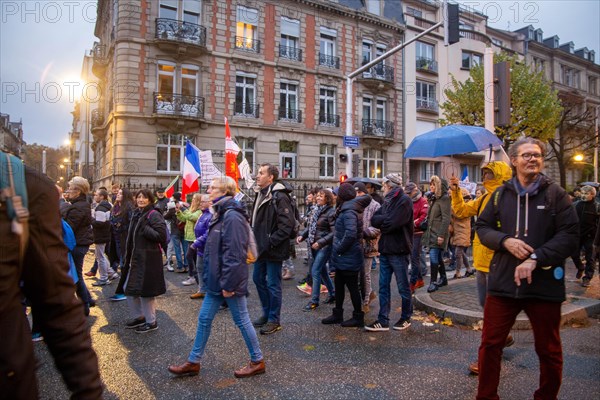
(346, 192)
(360, 187)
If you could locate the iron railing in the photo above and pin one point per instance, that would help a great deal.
(99, 53)
(180, 31)
(426, 104)
(427, 64)
(329, 61)
(178, 104)
(378, 128)
(248, 44)
(329, 120)
(287, 114)
(97, 118)
(246, 109)
(291, 53)
(380, 72)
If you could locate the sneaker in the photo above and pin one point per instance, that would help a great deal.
(181, 270)
(135, 323)
(579, 273)
(114, 276)
(118, 297)
(147, 327)
(260, 322)
(189, 282)
(310, 306)
(288, 274)
(36, 337)
(474, 368)
(377, 327)
(101, 282)
(270, 327)
(324, 289)
(305, 288)
(585, 282)
(198, 295)
(419, 284)
(170, 268)
(402, 324)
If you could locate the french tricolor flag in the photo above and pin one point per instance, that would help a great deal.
(191, 169)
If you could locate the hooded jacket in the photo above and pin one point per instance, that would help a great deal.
(420, 209)
(370, 233)
(273, 222)
(190, 219)
(482, 256)
(395, 221)
(347, 251)
(438, 216)
(79, 217)
(201, 231)
(461, 227)
(549, 225)
(102, 229)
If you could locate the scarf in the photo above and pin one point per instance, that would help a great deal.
(312, 226)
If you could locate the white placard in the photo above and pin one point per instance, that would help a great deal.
(209, 171)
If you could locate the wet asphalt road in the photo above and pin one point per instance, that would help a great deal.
(310, 360)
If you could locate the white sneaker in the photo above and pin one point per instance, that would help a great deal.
(189, 282)
(170, 268)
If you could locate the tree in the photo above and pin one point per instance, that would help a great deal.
(32, 156)
(575, 132)
(536, 108)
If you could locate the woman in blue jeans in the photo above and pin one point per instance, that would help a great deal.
(319, 236)
(226, 279)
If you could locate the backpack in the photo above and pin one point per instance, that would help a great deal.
(296, 228)
(13, 193)
(70, 241)
(252, 251)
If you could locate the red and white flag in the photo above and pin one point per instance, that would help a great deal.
(170, 190)
(231, 152)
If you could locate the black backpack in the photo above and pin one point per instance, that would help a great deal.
(296, 228)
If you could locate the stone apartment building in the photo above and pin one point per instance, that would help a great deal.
(11, 135)
(171, 70)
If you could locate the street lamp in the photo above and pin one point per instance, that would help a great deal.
(578, 159)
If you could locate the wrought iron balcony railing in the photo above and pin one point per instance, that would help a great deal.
(97, 118)
(248, 44)
(378, 128)
(178, 104)
(291, 53)
(286, 114)
(246, 109)
(329, 120)
(426, 104)
(99, 53)
(380, 72)
(180, 31)
(329, 61)
(426, 64)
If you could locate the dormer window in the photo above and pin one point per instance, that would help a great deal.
(538, 35)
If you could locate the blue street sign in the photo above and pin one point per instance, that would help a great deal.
(351, 141)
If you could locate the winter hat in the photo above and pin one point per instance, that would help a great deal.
(346, 192)
(410, 186)
(360, 187)
(177, 196)
(393, 180)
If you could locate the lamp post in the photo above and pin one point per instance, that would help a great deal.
(578, 159)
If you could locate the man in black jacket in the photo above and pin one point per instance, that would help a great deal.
(531, 225)
(273, 222)
(101, 227)
(587, 212)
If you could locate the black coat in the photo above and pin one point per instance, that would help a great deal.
(552, 231)
(143, 255)
(226, 247)
(102, 229)
(325, 227)
(395, 220)
(347, 251)
(79, 217)
(273, 223)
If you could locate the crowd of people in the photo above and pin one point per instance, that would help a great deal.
(519, 227)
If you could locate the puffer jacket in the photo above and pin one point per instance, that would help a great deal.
(395, 220)
(201, 231)
(482, 256)
(347, 252)
(370, 233)
(273, 222)
(461, 228)
(420, 209)
(438, 217)
(549, 226)
(79, 217)
(102, 229)
(190, 219)
(325, 227)
(226, 249)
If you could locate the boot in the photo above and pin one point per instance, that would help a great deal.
(443, 281)
(336, 318)
(357, 320)
(432, 281)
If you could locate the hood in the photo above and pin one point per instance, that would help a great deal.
(513, 186)
(502, 172)
(362, 202)
(282, 186)
(441, 186)
(229, 203)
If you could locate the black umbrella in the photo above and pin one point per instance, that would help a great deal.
(372, 181)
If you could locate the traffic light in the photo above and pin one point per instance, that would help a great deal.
(502, 94)
(343, 178)
(451, 24)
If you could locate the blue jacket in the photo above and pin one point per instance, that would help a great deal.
(347, 251)
(226, 249)
(395, 220)
(201, 231)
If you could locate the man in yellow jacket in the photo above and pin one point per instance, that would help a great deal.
(493, 175)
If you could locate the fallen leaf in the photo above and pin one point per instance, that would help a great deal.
(309, 347)
(370, 386)
(224, 383)
(447, 321)
(341, 338)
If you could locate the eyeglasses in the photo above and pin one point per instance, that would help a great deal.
(528, 156)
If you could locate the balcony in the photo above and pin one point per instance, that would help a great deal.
(427, 65)
(329, 61)
(329, 120)
(100, 60)
(289, 115)
(380, 77)
(97, 118)
(425, 24)
(178, 105)
(184, 37)
(378, 130)
(290, 53)
(247, 44)
(249, 110)
(427, 105)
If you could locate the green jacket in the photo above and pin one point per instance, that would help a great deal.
(190, 219)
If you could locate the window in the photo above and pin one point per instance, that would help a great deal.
(326, 160)
(464, 25)
(373, 163)
(245, 95)
(380, 111)
(425, 51)
(426, 96)
(473, 171)
(246, 146)
(166, 77)
(497, 42)
(569, 76)
(327, 49)
(470, 60)
(289, 46)
(327, 107)
(367, 108)
(427, 169)
(170, 150)
(592, 85)
(288, 101)
(181, 10)
(367, 52)
(538, 64)
(287, 158)
(246, 29)
(373, 7)
(178, 90)
(414, 12)
(539, 35)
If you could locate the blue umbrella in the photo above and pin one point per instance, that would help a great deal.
(451, 139)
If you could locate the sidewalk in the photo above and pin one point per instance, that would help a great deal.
(459, 301)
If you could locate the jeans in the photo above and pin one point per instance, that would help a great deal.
(416, 274)
(481, 287)
(239, 311)
(498, 317)
(79, 253)
(461, 257)
(180, 249)
(267, 278)
(365, 280)
(394, 264)
(587, 244)
(116, 242)
(423, 262)
(319, 273)
(103, 264)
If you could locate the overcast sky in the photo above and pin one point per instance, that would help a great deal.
(42, 44)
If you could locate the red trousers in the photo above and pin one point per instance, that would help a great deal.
(498, 317)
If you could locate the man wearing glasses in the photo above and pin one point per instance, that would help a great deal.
(532, 227)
